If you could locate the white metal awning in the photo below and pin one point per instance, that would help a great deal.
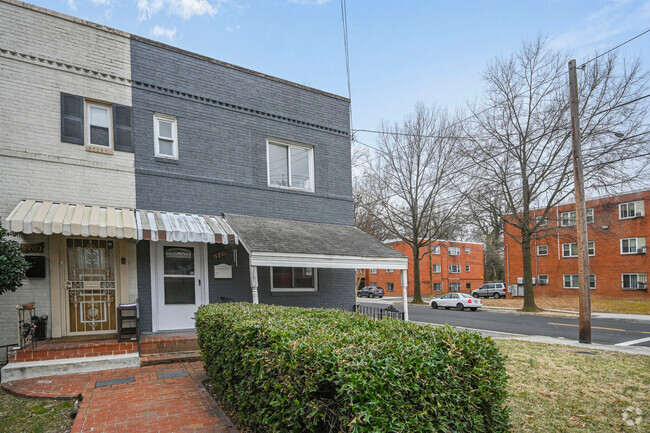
(48, 218)
(183, 227)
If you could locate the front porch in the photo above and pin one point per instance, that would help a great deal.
(62, 356)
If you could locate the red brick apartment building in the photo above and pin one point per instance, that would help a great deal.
(618, 264)
(452, 267)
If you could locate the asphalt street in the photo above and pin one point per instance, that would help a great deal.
(604, 331)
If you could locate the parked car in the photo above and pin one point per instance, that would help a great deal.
(490, 290)
(370, 292)
(460, 301)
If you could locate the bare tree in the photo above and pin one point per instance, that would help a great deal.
(486, 223)
(520, 146)
(411, 182)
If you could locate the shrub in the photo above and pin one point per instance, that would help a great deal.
(12, 264)
(312, 370)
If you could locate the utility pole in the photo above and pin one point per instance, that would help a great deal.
(581, 211)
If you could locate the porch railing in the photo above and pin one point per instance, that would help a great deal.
(379, 313)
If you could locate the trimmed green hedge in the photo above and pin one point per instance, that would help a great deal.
(311, 370)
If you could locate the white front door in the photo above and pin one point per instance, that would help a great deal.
(179, 286)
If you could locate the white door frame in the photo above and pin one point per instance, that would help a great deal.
(156, 275)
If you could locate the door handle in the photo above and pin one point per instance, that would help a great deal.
(199, 281)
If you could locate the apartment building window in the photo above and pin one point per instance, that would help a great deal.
(290, 165)
(437, 287)
(293, 279)
(361, 271)
(436, 268)
(389, 271)
(435, 249)
(572, 281)
(454, 287)
(468, 286)
(466, 250)
(541, 220)
(632, 245)
(373, 271)
(542, 279)
(571, 249)
(467, 268)
(454, 251)
(632, 209)
(165, 136)
(634, 281)
(390, 287)
(454, 269)
(373, 284)
(542, 250)
(568, 218)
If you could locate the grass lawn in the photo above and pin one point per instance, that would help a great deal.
(625, 306)
(26, 415)
(555, 389)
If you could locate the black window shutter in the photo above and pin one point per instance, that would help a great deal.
(122, 127)
(72, 118)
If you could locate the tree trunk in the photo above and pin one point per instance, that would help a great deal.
(417, 295)
(529, 295)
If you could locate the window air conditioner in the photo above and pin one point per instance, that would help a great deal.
(642, 286)
(534, 281)
(520, 280)
(642, 250)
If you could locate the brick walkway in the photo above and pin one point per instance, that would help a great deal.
(150, 402)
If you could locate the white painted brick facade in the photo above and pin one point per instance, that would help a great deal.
(34, 163)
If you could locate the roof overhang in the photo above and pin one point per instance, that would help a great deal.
(280, 242)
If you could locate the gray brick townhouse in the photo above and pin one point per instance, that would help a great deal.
(156, 176)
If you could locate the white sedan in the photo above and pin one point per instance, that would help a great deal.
(459, 301)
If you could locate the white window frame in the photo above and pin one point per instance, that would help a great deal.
(454, 251)
(591, 249)
(542, 277)
(639, 243)
(641, 278)
(156, 131)
(467, 250)
(439, 285)
(390, 287)
(452, 267)
(389, 271)
(435, 249)
(570, 221)
(575, 278)
(539, 250)
(453, 285)
(590, 215)
(437, 268)
(467, 268)
(108, 107)
(373, 271)
(626, 205)
(542, 220)
(289, 145)
(297, 289)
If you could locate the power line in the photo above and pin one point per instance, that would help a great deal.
(615, 48)
(625, 103)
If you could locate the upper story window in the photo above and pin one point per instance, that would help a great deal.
(436, 267)
(290, 165)
(542, 250)
(435, 249)
(165, 136)
(569, 218)
(571, 249)
(632, 245)
(389, 271)
(373, 271)
(467, 268)
(454, 269)
(541, 220)
(99, 126)
(632, 209)
(99, 132)
(467, 250)
(454, 251)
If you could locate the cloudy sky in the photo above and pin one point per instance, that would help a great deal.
(401, 52)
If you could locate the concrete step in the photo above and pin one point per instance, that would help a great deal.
(55, 367)
(170, 358)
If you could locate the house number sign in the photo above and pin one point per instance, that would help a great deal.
(32, 248)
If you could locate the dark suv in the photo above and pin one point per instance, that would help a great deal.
(370, 292)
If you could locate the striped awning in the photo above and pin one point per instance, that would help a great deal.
(46, 217)
(49, 218)
(183, 227)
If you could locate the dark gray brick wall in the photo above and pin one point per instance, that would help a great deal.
(222, 160)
